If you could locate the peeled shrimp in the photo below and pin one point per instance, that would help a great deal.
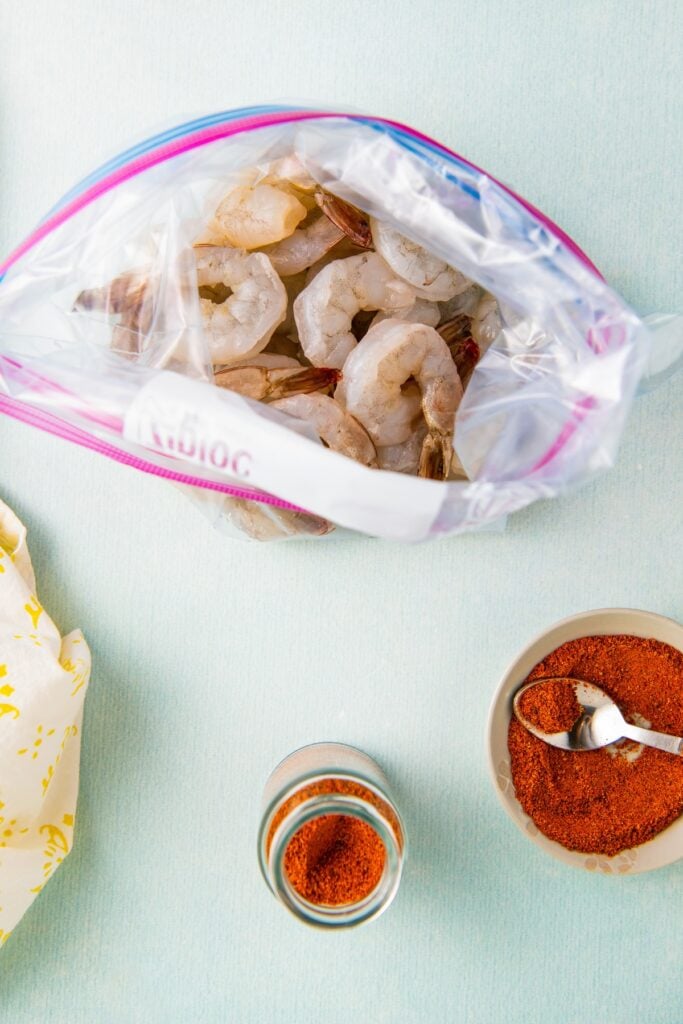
(325, 308)
(269, 383)
(341, 251)
(242, 325)
(422, 311)
(430, 277)
(250, 216)
(404, 457)
(390, 355)
(336, 427)
(289, 172)
(304, 246)
(486, 321)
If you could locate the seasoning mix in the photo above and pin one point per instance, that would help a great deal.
(608, 800)
(335, 859)
(551, 706)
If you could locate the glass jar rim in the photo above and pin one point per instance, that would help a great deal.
(271, 854)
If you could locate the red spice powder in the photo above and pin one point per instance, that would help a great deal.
(335, 859)
(551, 706)
(328, 787)
(600, 801)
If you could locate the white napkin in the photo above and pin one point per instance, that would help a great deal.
(43, 680)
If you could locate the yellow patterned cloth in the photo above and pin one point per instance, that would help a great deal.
(43, 680)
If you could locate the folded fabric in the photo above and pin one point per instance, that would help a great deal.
(43, 680)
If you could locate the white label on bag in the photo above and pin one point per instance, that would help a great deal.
(225, 433)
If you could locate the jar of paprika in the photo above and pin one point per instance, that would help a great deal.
(331, 843)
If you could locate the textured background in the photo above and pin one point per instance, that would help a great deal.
(214, 658)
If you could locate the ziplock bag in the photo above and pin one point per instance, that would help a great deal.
(544, 409)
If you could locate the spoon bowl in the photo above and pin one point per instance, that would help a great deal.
(599, 722)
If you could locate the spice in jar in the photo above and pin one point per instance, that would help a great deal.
(331, 843)
(335, 859)
(618, 797)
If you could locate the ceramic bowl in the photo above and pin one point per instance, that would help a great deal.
(667, 846)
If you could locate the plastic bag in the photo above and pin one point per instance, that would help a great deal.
(545, 406)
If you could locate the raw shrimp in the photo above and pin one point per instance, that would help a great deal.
(271, 361)
(325, 308)
(250, 216)
(422, 311)
(304, 246)
(391, 355)
(430, 277)
(123, 294)
(336, 427)
(465, 351)
(289, 172)
(486, 321)
(242, 325)
(464, 303)
(465, 354)
(266, 383)
(404, 457)
(132, 296)
(341, 251)
(286, 345)
(457, 329)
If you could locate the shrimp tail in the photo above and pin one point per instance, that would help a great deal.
(346, 217)
(466, 354)
(119, 296)
(435, 459)
(322, 379)
(305, 522)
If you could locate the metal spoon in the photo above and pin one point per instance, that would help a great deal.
(600, 723)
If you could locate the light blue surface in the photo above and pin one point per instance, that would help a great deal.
(213, 659)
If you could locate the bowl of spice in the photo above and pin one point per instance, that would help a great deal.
(617, 809)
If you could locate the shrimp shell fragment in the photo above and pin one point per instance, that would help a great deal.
(391, 355)
(242, 325)
(430, 277)
(336, 427)
(324, 310)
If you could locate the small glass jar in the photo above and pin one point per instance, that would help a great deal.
(329, 779)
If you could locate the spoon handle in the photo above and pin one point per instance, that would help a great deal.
(660, 740)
